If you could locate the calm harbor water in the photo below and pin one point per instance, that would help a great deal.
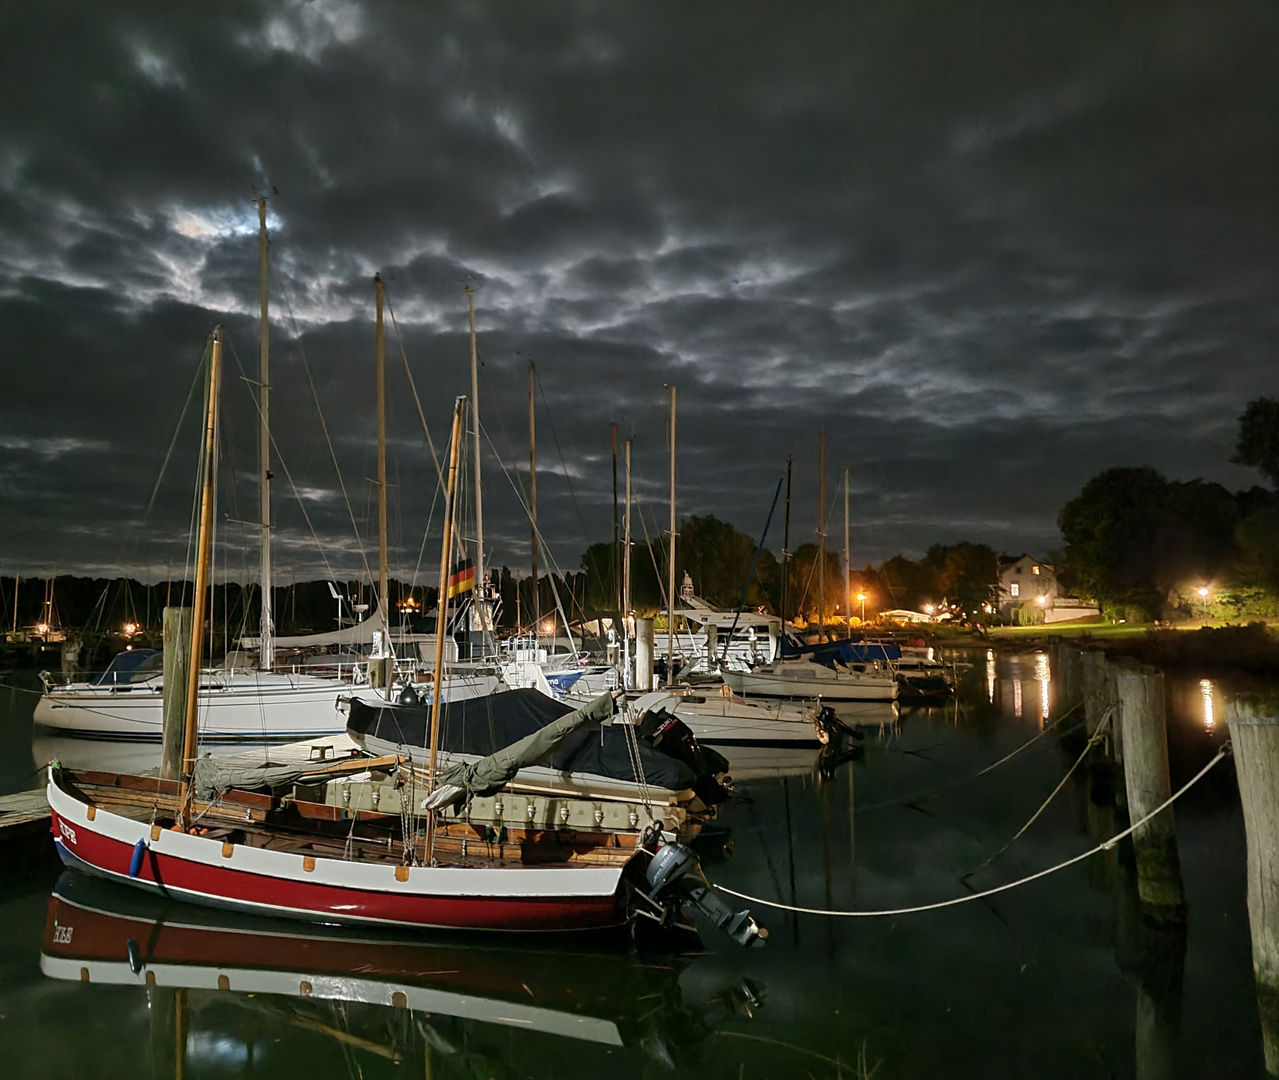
(1060, 978)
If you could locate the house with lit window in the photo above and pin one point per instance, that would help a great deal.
(1027, 584)
(1025, 580)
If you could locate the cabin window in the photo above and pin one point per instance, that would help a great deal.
(1015, 588)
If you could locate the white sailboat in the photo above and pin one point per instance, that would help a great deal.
(126, 702)
(718, 717)
(809, 679)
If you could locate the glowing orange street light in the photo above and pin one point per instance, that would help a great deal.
(862, 597)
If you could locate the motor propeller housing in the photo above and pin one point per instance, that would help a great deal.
(676, 881)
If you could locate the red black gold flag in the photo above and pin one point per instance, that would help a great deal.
(461, 580)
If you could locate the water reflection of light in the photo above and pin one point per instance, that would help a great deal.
(1043, 676)
(990, 675)
(1205, 688)
(1017, 697)
(215, 1049)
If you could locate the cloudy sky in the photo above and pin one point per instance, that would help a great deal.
(991, 248)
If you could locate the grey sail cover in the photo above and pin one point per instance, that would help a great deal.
(491, 774)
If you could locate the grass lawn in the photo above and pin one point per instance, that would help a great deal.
(1105, 630)
(1073, 629)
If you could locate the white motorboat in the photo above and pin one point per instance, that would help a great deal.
(808, 679)
(126, 702)
(722, 718)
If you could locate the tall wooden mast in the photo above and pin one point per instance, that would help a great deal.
(848, 592)
(481, 582)
(617, 549)
(203, 556)
(266, 649)
(626, 577)
(786, 548)
(670, 559)
(821, 532)
(532, 497)
(442, 607)
(384, 602)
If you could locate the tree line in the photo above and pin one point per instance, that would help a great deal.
(1146, 547)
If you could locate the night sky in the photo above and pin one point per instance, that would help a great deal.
(992, 248)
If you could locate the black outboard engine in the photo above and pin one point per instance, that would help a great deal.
(675, 881)
(665, 732)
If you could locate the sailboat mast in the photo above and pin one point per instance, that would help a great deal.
(786, 548)
(266, 645)
(203, 556)
(382, 588)
(481, 582)
(626, 576)
(848, 592)
(670, 559)
(617, 551)
(442, 608)
(536, 605)
(821, 532)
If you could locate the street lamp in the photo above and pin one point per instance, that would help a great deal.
(1203, 596)
(862, 597)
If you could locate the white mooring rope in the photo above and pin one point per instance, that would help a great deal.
(1104, 846)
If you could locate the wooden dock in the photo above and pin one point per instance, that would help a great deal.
(24, 829)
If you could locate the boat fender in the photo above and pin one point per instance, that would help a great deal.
(135, 864)
(135, 956)
(408, 696)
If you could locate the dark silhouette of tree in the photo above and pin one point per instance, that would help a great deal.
(1132, 536)
(1258, 445)
(968, 574)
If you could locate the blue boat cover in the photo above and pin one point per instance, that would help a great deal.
(131, 666)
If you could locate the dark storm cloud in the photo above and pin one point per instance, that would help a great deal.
(992, 250)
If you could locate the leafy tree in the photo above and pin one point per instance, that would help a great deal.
(1110, 529)
(909, 584)
(969, 575)
(1133, 536)
(1257, 537)
(1258, 444)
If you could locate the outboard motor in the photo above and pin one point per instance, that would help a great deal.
(675, 880)
(665, 732)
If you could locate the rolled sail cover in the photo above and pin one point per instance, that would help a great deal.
(482, 726)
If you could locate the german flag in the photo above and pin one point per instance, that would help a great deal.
(462, 579)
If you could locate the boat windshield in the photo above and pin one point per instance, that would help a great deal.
(132, 666)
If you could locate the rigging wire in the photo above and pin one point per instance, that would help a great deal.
(288, 476)
(346, 499)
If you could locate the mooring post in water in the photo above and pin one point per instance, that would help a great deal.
(712, 647)
(1254, 732)
(177, 658)
(1144, 734)
(643, 654)
(1097, 687)
(1154, 957)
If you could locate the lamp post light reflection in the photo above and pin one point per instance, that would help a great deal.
(1205, 689)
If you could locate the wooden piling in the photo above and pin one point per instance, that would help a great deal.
(1097, 687)
(643, 654)
(712, 646)
(1144, 737)
(1254, 733)
(177, 658)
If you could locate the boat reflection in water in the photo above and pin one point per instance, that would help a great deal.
(99, 933)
